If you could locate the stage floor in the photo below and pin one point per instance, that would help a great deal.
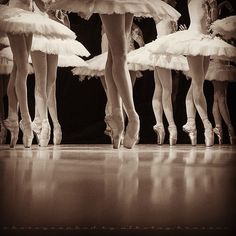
(94, 188)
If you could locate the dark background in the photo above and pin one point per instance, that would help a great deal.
(81, 105)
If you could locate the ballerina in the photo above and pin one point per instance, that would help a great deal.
(142, 59)
(46, 56)
(197, 45)
(118, 15)
(221, 72)
(19, 23)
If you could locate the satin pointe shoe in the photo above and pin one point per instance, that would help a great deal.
(45, 133)
(57, 135)
(160, 131)
(219, 133)
(116, 124)
(232, 136)
(132, 132)
(13, 127)
(209, 137)
(37, 127)
(172, 134)
(192, 133)
(3, 134)
(26, 128)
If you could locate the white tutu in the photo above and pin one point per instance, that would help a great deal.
(95, 66)
(191, 42)
(142, 59)
(58, 46)
(225, 27)
(6, 53)
(221, 72)
(145, 8)
(18, 21)
(70, 61)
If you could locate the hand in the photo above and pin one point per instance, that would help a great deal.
(183, 27)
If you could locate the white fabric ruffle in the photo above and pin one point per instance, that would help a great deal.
(225, 27)
(70, 61)
(19, 21)
(145, 8)
(58, 46)
(142, 59)
(221, 72)
(193, 43)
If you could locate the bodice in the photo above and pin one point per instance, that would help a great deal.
(23, 4)
(165, 27)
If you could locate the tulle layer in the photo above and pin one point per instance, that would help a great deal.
(221, 72)
(225, 27)
(142, 59)
(18, 21)
(70, 61)
(6, 53)
(192, 43)
(95, 66)
(59, 46)
(145, 8)
(7, 65)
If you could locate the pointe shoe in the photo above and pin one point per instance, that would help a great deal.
(13, 127)
(26, 128)
(232, 136)
(45, 133)
(116, 124)
(173, 134)
(37, 127)
(192, 133)
(57, 135)
(219, 133)
(209, 137)
(160, 131)
(3, 134)
(132, 132)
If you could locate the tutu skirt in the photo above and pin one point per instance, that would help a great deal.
(58, 46)
(142, 59)
(221, 72)
(141, 8)
(18, 21)
(70, 61)
(96, 67)
(225, 27)
(191, 43)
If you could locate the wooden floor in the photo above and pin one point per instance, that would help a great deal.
(89, 189)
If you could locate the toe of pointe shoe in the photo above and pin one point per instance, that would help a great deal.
(130, 142)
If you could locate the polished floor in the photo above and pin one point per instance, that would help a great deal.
(93, 188)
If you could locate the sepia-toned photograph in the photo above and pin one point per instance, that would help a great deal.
(118, 117)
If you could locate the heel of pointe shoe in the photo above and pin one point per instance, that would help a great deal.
(173, 135)
(116, 124)
(192, 133)
(26, 128)
(219, 133)
(57, 135)
(133, 127)
(13, 127)
(209, 137)
(45, 133)
(160, 131)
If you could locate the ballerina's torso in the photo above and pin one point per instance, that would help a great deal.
(23, 4)
(165, 27)
(199, 13)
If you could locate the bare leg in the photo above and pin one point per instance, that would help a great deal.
(121, 85)
(52, 61)
(197, 68)
(158, 109)
(20, 45)
(165, 78)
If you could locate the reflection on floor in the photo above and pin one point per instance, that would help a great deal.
(88, 188)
